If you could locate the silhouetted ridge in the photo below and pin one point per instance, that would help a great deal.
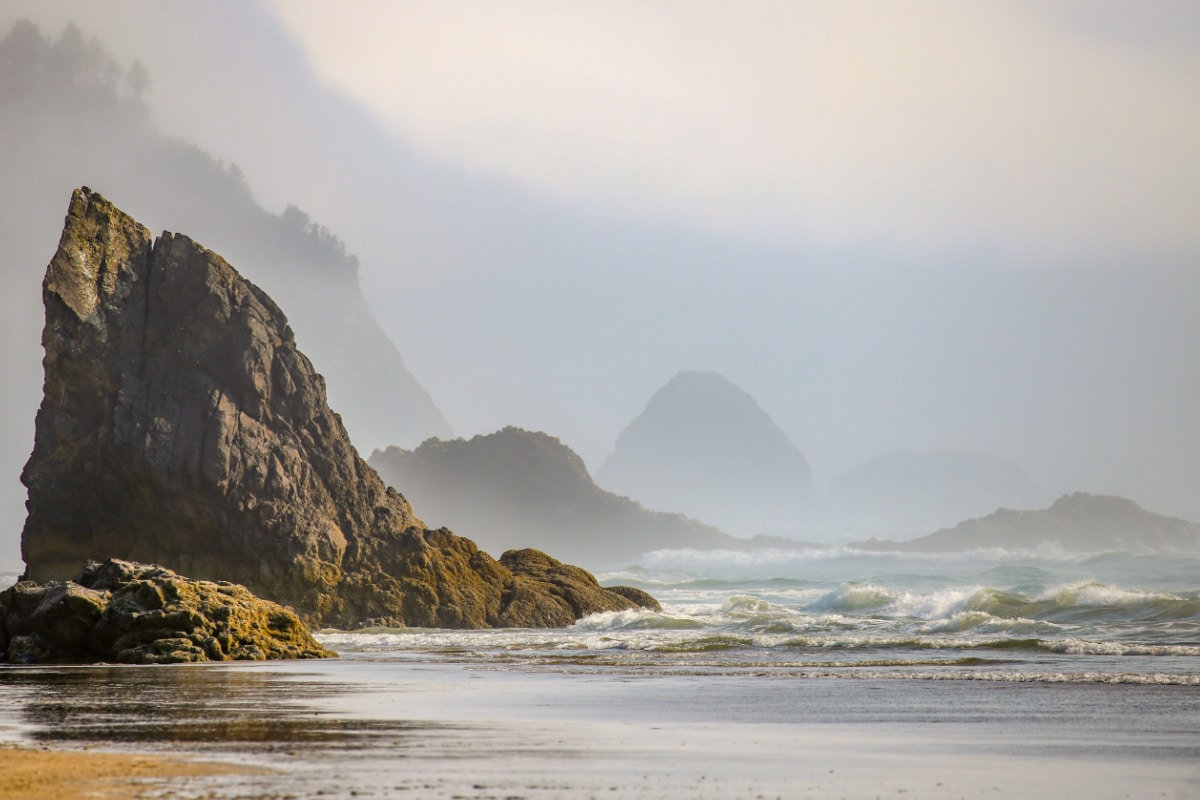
(517, 488)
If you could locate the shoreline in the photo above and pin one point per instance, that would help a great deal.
(411, 728)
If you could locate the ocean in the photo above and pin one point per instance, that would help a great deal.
(986, 615)
(772, 674)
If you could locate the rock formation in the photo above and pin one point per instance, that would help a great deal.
(1080, 522)
(705, 448)
(181, 426)
(515, 487)
(139, 614)
(60, 83)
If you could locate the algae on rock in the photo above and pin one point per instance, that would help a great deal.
(144, 614)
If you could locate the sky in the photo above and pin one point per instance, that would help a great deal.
(1048, 130)
(931, 226)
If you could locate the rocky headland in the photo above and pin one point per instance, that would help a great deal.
(1080, 522)
(181, 426)
(515, 487)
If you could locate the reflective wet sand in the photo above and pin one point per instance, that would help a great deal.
(405, 728)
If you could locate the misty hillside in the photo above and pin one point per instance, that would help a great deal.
(705, 447)
(1080, 522)
(517, 488)
(908, 494)
(73, 116)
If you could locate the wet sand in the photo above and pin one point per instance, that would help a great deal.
(28, 774)
(433, 730)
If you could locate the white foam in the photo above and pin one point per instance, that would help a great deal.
(1081, 647)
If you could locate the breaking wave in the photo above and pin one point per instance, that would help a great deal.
(853, 614)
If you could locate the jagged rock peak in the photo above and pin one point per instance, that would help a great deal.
(181, 426)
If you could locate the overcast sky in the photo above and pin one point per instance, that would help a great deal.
(928, 225)
(1049, 130)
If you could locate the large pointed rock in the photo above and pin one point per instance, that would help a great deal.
(181, 426)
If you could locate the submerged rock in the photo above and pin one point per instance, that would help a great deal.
(181, 426)
(143, 614)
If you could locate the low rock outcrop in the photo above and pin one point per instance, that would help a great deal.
(1080, 523)
(143, 614)
(181, 426)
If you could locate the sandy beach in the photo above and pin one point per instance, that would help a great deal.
(395, 729)
(34, 774)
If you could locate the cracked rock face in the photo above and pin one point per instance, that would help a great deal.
(180, 426)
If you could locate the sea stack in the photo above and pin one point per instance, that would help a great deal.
(181, 426)
(704, 447)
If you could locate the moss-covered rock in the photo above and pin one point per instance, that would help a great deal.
(131, 613)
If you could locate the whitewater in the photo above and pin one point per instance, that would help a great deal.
(992, 615)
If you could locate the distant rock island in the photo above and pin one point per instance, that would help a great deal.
(908, 494)
(517, 487)
(1082, 523)
(181, 426)
(705, 448)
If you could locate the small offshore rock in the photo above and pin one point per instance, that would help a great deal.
(639, 596)
(119, 611)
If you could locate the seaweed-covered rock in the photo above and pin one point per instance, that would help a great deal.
(145, 614)
(180, 426)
